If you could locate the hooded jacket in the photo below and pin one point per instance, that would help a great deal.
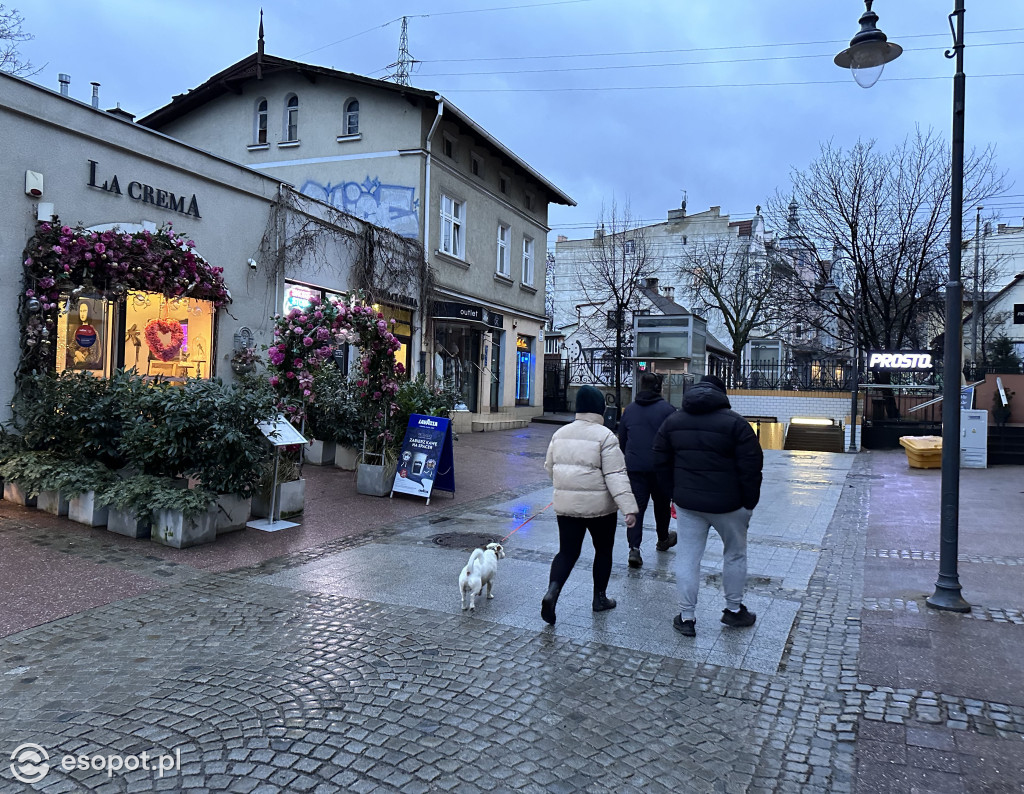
(708, 456)
(588, 470)
(638, 426)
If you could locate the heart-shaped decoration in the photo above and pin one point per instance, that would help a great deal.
(165, 352)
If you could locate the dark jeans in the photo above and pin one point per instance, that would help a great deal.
(645, 486)
(571, 531)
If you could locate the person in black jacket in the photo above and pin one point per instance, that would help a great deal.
(710, 460)
(640, 422)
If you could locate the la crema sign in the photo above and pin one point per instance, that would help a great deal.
(147, 194)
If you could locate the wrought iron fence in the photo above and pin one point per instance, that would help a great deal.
(819, 375)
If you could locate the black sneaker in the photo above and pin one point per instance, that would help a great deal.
(635, 560)
(688, 628)
(671, 539)
(738, 620)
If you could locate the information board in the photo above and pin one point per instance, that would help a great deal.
(966, 398)
(426, 461)
(281, 433)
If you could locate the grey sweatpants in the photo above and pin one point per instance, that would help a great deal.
(693, 537)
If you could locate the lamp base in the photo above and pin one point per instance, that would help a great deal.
(948, 599)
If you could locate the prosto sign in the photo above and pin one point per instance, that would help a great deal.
(901, 360)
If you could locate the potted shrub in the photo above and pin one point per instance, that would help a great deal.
(24, 473)
(181, 517)
(230, 454)
(80, 486)
(290, 499)
(347, 433)
(128, 502)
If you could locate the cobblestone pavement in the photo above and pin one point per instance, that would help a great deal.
(349, 666)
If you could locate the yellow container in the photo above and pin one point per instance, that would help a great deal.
(923, 452)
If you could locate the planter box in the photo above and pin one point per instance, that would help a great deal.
(374, 480)
(13, 492)
(52, 502)
(291, 500)
(319, 453)
(172, 529)
(84, 510)
(346, 457)
(128, 524)
(231, 512)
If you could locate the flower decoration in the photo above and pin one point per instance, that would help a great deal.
(61, 258)
(154, 329)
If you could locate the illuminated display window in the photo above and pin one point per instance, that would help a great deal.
(172, 338)
(524, 369)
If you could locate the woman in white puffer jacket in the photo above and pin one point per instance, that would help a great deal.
(589, 473)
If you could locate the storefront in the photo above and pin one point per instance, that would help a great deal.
(467, 353)
(526, 366)
(299, 296)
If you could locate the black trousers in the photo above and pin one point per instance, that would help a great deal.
(646, 487)
(571, 531)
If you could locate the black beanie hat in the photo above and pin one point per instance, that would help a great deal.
(715, 381)
(589, 401)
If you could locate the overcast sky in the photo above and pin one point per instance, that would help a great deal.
(628, 101)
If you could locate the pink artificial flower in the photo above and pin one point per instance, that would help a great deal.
(290, 375)
(99, 247)
(307, 341)
(274, 380)
(58, 250)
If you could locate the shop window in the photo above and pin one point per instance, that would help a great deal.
(261, 122)
(452, 213)
(496, 369)
(85, 338)
(401, 328)
(291, 124)
(172, 338)
(351, 125)
(524, 369)
(456, 361)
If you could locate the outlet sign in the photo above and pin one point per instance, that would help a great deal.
(901, 360)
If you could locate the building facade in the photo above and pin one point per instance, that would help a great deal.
(410, 161)
(97, 170)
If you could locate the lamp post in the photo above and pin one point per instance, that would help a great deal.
(867, 54)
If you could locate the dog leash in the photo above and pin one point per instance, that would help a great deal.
(527, 521)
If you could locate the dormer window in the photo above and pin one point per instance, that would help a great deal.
(291, 124)
(261, 122)
(351, 125)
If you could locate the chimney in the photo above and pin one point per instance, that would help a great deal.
(651, 283)
(599, 233)
(95, 94)
(65, 83)
(562, 239)
(669, 292)
(716, 211)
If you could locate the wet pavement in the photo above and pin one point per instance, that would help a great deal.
(335, 656)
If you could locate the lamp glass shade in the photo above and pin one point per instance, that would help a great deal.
(867, 76)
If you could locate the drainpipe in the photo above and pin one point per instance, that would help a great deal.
(428, 212)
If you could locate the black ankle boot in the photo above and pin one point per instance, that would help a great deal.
(603, 602)
(547, 604)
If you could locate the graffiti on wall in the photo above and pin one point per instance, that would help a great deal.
(394, 207)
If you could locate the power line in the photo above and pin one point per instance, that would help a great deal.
(705, 49)
(706, 85)
(658, 65)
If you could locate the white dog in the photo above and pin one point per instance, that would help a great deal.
(479, 573)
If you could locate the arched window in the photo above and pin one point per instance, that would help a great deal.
(291, 119)
(261, 121)
(352, 117)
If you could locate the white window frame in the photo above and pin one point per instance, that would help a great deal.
(453, 218)
(503, 265)
(528, 261)
(261, 122)
(629, 246)
(351, 117)
(291, 122)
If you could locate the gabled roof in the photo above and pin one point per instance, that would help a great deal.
(256, 66)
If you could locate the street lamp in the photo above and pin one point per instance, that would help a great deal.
(868, 52)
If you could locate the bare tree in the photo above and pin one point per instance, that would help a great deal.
(741, 282)
(885, 216)
(11, 35)
(610, 272)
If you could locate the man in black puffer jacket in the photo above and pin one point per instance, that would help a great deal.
(710, 460)
(640, 421)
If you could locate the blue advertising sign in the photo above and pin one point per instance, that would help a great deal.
(426, 461)
(966, 398)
